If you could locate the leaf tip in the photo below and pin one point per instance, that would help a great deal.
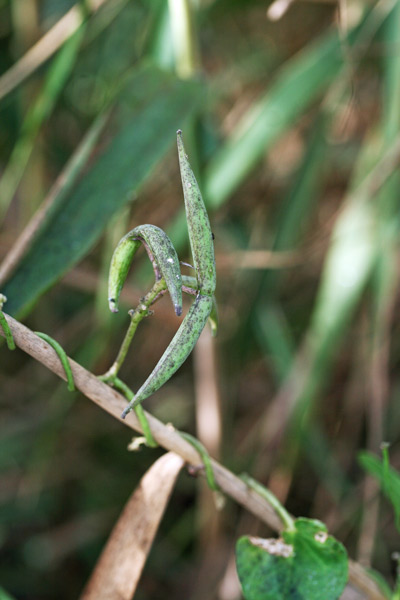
(125, 412)
(179, 141)
(112, 305)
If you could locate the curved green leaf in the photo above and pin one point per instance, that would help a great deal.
(163, 256)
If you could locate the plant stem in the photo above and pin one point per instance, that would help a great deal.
(265, 493)
(137, 315)
(209, 473)
(62, 356)
(4, 325)
(386, 465)
(129, 395)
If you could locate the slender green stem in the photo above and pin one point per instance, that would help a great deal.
(280, 510)
(129, 395)
(7, 332)
(386, 465)
(150, 441)
(62, 356)
(204, 457)
(137, 315)
(5, 326)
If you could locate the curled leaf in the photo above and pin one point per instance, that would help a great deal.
(162, 255)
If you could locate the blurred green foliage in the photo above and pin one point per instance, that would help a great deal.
(293, 125)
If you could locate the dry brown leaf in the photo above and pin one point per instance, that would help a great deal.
(120, 565)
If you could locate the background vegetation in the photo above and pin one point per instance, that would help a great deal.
(291, 115)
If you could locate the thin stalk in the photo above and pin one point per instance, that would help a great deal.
(208, 469)
(386, 465)
(62, 356)
(137, 315)
(265, 493)
(129, 395)
(5, 326)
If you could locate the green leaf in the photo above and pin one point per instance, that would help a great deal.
(305, 564)
(152, 106)
(163, 256)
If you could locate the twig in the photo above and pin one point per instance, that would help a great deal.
(167, 437)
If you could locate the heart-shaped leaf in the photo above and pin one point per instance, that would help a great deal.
(304, 564)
